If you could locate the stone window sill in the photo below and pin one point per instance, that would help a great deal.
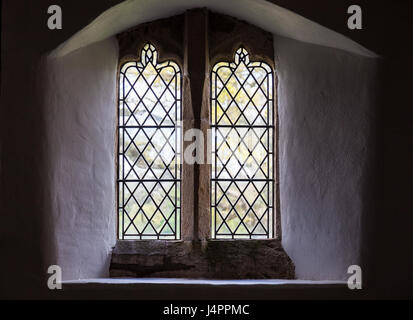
(212, 259)
(206, 282)
(193, 289)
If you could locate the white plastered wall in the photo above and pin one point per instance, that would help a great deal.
(80, 108)
(327, 100)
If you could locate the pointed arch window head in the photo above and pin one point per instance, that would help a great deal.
(242, 56)
(149, 148)
(242, 184)
(149, 55)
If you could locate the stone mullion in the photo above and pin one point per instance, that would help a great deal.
(196, 69)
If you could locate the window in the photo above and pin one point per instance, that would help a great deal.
(149, 171)
(198, 77)
(234, 196)
(242, 166)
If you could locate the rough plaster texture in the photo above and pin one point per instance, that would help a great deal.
(80, 108)
(327, 100)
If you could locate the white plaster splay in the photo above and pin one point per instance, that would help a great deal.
(261, 13)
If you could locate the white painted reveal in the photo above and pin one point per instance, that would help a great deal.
(261, 13)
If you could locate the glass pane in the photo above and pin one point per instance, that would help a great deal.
(242, 169)
(149, 148)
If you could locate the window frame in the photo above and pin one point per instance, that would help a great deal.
(271, 154)
(198, 39)
(168, 62)
(193, 228)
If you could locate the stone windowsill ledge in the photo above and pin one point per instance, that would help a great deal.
(212, 259)
(208, 282)
(203, 289)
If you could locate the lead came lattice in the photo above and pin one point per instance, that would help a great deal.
(242, 167)
(149, 171)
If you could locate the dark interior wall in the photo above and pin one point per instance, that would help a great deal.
(21, 201)
(387, 243)
(26, 234)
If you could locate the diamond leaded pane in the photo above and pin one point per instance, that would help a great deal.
(242, 167)
(149, 171)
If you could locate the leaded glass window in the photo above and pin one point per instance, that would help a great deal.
(149, 171)
(242, 167)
